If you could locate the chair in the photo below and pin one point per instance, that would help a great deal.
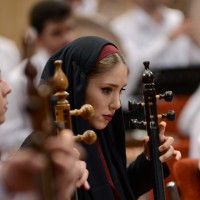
(187, 178)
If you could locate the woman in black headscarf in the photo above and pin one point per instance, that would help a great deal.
(97, 73)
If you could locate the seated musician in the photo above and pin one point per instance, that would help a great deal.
(53, 22)
(18, 174)
(97, 74)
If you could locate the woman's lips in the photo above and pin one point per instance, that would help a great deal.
(108, 117)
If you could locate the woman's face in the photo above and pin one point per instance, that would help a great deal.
(4, 91)
(103, 93)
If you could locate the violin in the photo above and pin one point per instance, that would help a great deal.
(151, 123)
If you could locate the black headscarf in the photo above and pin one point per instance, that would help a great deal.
(78, 58)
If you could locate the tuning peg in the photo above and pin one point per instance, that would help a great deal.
(86, 111)
(133, 105)
(89, 137)
(168, 96)
(169, 116)
(134, 123)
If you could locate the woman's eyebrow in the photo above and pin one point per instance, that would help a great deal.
(111, 84)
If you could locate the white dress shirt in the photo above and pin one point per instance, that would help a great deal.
(143, 39)
(189, 113)
(189, 121)
(9, 56)
(194, 142)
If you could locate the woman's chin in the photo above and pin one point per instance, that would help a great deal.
(99, 126)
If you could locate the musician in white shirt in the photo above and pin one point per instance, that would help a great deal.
(151, 31)
(53, 24)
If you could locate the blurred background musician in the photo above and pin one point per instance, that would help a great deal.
(53, 25)
(151, 31)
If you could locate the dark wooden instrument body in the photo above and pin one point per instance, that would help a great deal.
(38, 104)
(152, 127)
(151, 124)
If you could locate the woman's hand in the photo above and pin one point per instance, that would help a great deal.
(166, 148)
(70, 170)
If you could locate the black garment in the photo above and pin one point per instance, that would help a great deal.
(78, 59)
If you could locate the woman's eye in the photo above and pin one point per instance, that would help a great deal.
(106, 90)
(122, 90)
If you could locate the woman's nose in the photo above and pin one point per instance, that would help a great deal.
(115, 104)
